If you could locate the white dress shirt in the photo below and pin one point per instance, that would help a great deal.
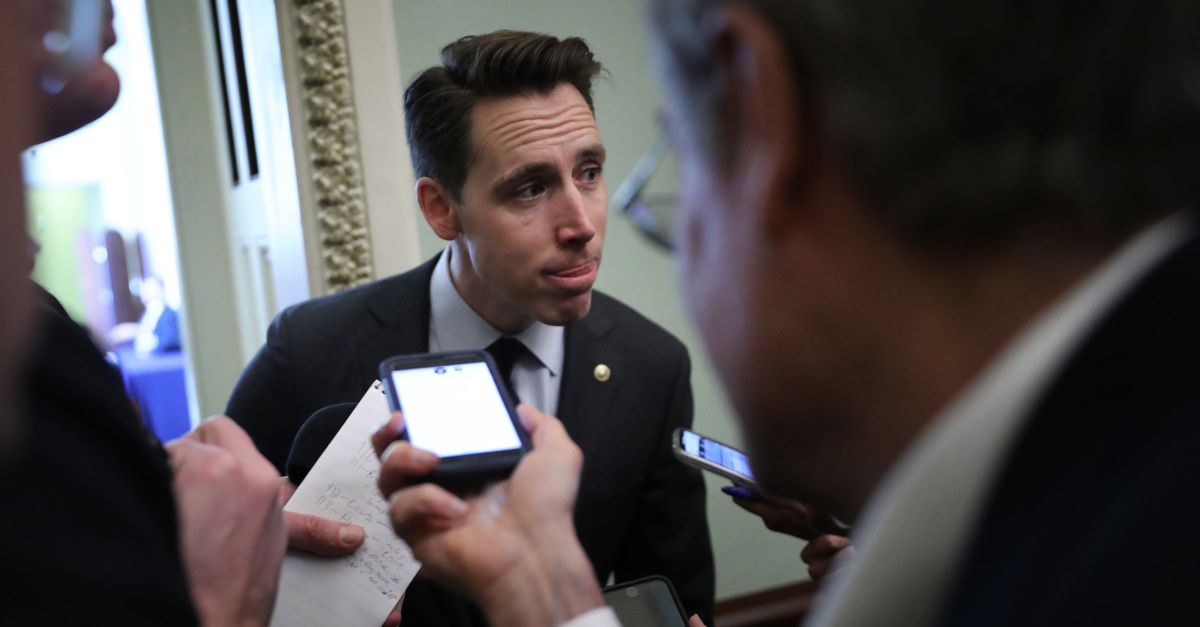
(914, 531)
(146, 341)
(599, 617)
(454, 326)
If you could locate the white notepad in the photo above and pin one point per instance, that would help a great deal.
(358, 590)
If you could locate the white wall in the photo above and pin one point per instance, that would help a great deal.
(749, 557)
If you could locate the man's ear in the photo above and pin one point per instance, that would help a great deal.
(439, 207)
(767, 163)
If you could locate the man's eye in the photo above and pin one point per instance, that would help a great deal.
(590, 174)
(529, 192)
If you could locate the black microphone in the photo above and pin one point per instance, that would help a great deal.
(315, 434)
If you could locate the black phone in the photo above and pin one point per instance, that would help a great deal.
(706, 453)
(646, 602)
(454, 406)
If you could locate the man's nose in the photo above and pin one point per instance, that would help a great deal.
(575, 225)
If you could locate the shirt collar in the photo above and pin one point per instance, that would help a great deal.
(456, 327)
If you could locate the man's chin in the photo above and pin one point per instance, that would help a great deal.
(570, 310)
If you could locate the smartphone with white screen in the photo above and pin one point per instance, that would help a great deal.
(708, 454)
(454, 407)
(646, 602)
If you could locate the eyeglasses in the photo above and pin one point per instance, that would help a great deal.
(652, 214)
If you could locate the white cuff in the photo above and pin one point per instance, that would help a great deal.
(602, 616)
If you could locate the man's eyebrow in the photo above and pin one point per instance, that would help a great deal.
(595, 152)
(535, 169)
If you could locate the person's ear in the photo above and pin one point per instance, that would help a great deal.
(439, 207)
(761, 103)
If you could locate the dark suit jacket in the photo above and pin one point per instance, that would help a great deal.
(1095, 519)
(89, 525)
(639, 510)
(167, 331)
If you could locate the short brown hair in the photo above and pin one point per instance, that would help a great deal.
(438, 103)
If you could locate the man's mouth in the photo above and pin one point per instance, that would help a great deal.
(575, 278)
(579, 270)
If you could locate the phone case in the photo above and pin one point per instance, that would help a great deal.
(646, 602)
(461, 471)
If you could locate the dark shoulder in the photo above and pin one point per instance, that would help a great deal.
(350, 309)
(637, 332)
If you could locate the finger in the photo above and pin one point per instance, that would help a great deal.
(758, 508)
(399, 462)
(780, 518)
(822, 521)
(321, 535)
(178, 451)
(387, 433)
(741, 492)
(286, 490)
(530, 417)
(393, 618)
(695, 621)
(223, 432)
(547, 432)
(822, 547)
(427, 508)
(817, 569)
(821, 566)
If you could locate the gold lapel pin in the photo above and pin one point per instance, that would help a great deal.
(602, 373)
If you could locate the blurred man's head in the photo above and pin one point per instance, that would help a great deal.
(30, 115)
(20, 55)
(843, 160)
(510, 162)
(152, 290)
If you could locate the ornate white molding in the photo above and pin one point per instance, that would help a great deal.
(333, 148)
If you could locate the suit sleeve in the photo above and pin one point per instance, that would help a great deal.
(264, 401)
(670, 531)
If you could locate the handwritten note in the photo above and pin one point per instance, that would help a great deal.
(359, 589)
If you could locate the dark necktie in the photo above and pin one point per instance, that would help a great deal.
(506, 351)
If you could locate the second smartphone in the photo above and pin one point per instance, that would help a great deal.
(455, 407)
(708, 454)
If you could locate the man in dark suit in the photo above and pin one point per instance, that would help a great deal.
(945, 258)
(510, 163)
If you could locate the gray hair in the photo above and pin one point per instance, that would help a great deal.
(971, 124)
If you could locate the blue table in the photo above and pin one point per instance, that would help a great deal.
(156, 383)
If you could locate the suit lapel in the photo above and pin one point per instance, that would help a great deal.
(584, 400)
(401, 310)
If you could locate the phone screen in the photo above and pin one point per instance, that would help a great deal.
(716, 453)
(454, 409)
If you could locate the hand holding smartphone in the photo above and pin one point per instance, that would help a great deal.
(454, 407)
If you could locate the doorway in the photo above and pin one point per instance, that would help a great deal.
(101, 212)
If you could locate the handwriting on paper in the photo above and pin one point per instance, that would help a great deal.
(361, 588)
